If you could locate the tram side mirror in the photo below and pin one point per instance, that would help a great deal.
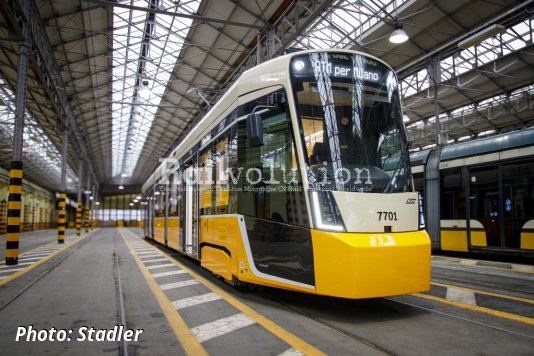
(275, 99)
(255, 129)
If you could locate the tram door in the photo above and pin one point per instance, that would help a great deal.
(517, 202)
(191, 212)
(485, 204)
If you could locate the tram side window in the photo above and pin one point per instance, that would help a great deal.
(419, 182)
(146, 212)
(269, 184)
(453, 194)
(159, 205)
(205, 178)
(172, 189)
(232, 166)
(221, 160)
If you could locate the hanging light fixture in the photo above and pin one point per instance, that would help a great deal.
(398, 35)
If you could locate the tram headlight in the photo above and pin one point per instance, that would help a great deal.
(326, 214)
(421, 213)
(298, 65)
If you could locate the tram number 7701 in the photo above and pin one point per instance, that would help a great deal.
(387, 215)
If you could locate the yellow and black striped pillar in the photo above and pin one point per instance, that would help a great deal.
(3, 217)
(86, 218)
(61, 218)
(41, 219)
(79, 219)
(93, 217)
(13, 213)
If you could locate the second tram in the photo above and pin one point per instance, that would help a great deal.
(482, 192)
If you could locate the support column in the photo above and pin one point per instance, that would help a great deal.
(13, 213)
(61, 219)
(79, 200)
(62, 205)
(432, 176)
(15, 173)
(3, 206)
(93, 209)
(87, 204)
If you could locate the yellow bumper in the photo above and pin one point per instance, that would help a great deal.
(351, 265)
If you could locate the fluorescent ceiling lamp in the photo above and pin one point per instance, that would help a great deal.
(349, 17)
(398, 35)
(482, 35)
(121, 187)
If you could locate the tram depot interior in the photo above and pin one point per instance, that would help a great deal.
(274, 177)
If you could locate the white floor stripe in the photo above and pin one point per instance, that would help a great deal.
(160, 266)
(11, 270)
(24, 259)
(47, 251)
(222, 326)
(141, 249)
(152, 255)
(148, 253)
(35, 255)
(19, 264)
(291, 352)
(165, 274)
(461, 295)
(197, 299)
(469, 262)
(156, 260)
(189, 282)
(523, 268)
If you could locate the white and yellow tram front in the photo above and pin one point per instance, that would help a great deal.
(368, 232)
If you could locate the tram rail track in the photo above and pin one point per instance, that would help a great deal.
(383, 348)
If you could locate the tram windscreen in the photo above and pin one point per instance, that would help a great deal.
(351, 120)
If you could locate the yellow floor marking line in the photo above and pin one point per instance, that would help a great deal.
(474, 308)
(189, 342)
(38, 263)
(524, 300)
(490, 267)
(271, 326)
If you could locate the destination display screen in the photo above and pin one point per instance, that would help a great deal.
(339, 66)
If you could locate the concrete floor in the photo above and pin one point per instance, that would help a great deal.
(78, 287)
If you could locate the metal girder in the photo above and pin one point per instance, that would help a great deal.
(410, 67)
(78, 10)
(46, 66)
(303, 13)
(202, 19)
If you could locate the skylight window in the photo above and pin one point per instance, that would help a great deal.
(514, 39)
(145, 50)
(38, 149)
(345, 23)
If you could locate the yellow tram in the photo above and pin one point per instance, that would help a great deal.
(298, 178)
